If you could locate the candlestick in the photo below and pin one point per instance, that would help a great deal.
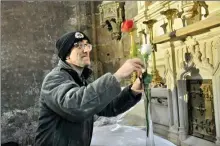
(169, 15)
(133, 53)
(157, 80)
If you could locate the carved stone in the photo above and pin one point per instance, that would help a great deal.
(112, 15)
(194, 53)
(189, 9)
(160, 101)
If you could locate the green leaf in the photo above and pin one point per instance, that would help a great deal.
(147, 78)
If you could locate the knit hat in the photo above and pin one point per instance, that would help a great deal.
(65, 43)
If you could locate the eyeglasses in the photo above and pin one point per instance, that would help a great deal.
(83, 46)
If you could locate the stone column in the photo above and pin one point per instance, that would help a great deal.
(216, 91)
(181, 84)
(216, 95)
(171, 85)
(174, 89)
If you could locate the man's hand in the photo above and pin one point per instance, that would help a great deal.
(137, 86)
(128, 68)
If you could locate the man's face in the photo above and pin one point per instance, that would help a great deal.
(80, 54)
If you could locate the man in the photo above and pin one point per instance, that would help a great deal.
(69, 100)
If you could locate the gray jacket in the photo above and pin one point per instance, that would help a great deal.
(68, 102)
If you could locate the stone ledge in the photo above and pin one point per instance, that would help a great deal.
(161, 130)
(194, 141)
(193, 28)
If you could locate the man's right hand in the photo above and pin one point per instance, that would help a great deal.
(130, 66)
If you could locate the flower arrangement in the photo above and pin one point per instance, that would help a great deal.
(128, 27)
(145, 52)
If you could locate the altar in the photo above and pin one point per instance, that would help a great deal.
(119, 135)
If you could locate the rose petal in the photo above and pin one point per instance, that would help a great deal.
(146, 49)
(127, 26)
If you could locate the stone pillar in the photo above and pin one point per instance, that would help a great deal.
(216, 95)
(182, 103)
(174, 88)
(216, 87)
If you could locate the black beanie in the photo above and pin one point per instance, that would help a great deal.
(65, 43)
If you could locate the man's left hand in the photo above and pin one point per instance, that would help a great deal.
(137, 86)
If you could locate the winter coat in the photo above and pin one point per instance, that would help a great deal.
(69, 101)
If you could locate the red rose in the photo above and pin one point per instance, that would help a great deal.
(127, 25)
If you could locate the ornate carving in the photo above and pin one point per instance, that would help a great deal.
(202, 62)
(189, 9)
(186, 66)
(159, 100)
(190, 43)
(201, 109)
(112, 15)
(197, 55)
(216, 46)
(208, 126)
(205, 6)
(168, 70)
(192, 11)
(207, 91)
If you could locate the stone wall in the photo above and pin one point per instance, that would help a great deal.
(112, 53)
(29, 31)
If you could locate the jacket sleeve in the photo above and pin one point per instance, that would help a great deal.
(124, 101)
(66, 98)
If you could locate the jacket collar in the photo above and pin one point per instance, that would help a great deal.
(86, 71)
